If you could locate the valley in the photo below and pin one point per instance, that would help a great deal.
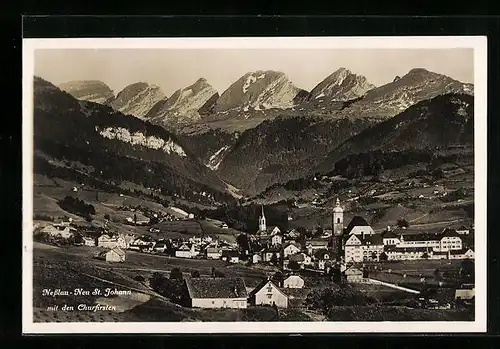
(148, 192)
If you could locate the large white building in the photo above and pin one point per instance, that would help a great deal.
(361, 244)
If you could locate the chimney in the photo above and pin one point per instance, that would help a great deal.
(235, 291)
(388, 228)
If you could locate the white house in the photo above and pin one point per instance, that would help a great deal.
(290, 249)
(115, 254)
(353, 275)
(293, 281)
(450, 240)
(185, 251)
(160, 247)
(64, 230)
(461, 254)
(213, 253)
(390, 238)
(317, 244)
(276, 239)
(217, 292)
(267, 293)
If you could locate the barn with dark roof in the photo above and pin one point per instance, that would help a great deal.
(217, 292)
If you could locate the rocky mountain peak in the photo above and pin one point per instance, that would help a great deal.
(341, 85)
(88, 90)
(185, 104)
(259, 90)
(137, 99)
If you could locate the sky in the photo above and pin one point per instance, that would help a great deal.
(172, 69)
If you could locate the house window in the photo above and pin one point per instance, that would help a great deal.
(338, 220)
(269, 296)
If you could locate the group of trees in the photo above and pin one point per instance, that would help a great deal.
(77, 206)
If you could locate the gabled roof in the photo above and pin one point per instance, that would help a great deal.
(353, 237)
(356, 221)
(291, 244)
(293, 276)
(389, 234)
(450, 233)
(216, 287)
(118, 250)
(264, 283)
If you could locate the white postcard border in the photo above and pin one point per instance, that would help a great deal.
(478, 43)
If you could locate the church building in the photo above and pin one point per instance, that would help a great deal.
(337, 228)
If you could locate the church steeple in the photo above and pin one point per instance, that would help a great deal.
(262, 220)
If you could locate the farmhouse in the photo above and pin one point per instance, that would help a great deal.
(293, 281)
(63, 230)
(186, 251)
(316, 244)
(461, 254)
(115, 254)
(108, 241)
(213, 253)
(353, 275)
(267, 293)
(217, 292)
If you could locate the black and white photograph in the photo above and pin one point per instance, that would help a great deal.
(254, 185)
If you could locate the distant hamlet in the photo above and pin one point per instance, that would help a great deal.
(263, 202)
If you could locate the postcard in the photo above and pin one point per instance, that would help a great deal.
(254, 185)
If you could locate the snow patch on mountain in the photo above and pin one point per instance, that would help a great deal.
(250, 80)
(216, 159)
(138, 138)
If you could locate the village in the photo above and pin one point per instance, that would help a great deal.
(352, 254)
